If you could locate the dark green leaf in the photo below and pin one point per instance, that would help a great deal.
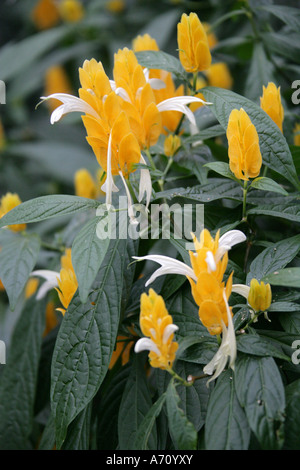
(146, 426)
(45, 207)
(18, 257)
(255, 345)
(261, 72)
(267, 184)
(226, 426)
(292, 420)
(183, 432)
(290, 15)
(136, 403)
(284, 45)
(274, 148)
(78, 436)
(283, 211)
(88, 252)
(289, 277)
(273, 258)
(86, 341)
(260, 392)
(161, 60)
(19, 378)
(222, 168)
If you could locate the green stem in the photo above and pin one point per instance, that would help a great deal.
(152, 164)
(180, 379)
(245, 190)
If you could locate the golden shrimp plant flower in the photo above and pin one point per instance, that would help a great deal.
(121, 117)
(64, 281)
(270, 102)
(8, 202)
(157, 326)
(194, 51)
(245, 158)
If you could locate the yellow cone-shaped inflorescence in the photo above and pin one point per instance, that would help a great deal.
(219, 75)
(156, 325)
(85, 185)
(67, 282)
(71, 11)
(297, 134)
(245, 158)
(270, 102)
(45, 14)
(260, 295)
(8, 202)
(209, 263)
(194, 51)
(171, 144)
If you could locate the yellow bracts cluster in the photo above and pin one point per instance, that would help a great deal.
(194, 51)
(245, 158)
(170, 119)
(48, 13)
(8, 202)
(260, 295)
(156, 324)
(67, 282)
(209, 264)
(85, 185)
(56, 81)
(270, 102)
(171, 144)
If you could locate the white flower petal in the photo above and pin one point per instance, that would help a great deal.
(241, 289)
(146, 344)
(70, 104)
(210, 261)
(123, 94)
(156, 83)
(168, 331)
(231, 238)
(168, 266)
(109, 186)
(145, 185)
(132, 218)
(51, 281)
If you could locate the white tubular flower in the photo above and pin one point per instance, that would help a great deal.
(70, 104)
(145, 185)
(168, 266)
(51, 281)
(179, 103)
(226, 351)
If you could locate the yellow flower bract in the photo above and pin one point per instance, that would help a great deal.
(260, 295)
(85, 185)
(8, 202)
(194, 52)
(154, 318)
(245, 158)
(67, 281)
(270, 102)
(171, 145)
(71, 10)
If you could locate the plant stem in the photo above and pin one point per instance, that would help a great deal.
(180, 379)
(245, 190)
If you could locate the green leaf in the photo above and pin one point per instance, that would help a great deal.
(260, 73)
(19, 378)
(274, 148)
(107, 410)
(283, 211)
(18, 257)
(289, 277)
(267, 184)
(287, 46)
(17, 56)
(204, 134)
(136, 403)
(161, 60)
(214, 190)
(86, 341)
(222, 168)
(255, 345)
(273, 258)
(183, 432)
(290, 15)
(88, 252)
(56, 159)
(292, 420)
(78, 436)
(226, 426)
(146, 426)
(46, 207)
(260, 392)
